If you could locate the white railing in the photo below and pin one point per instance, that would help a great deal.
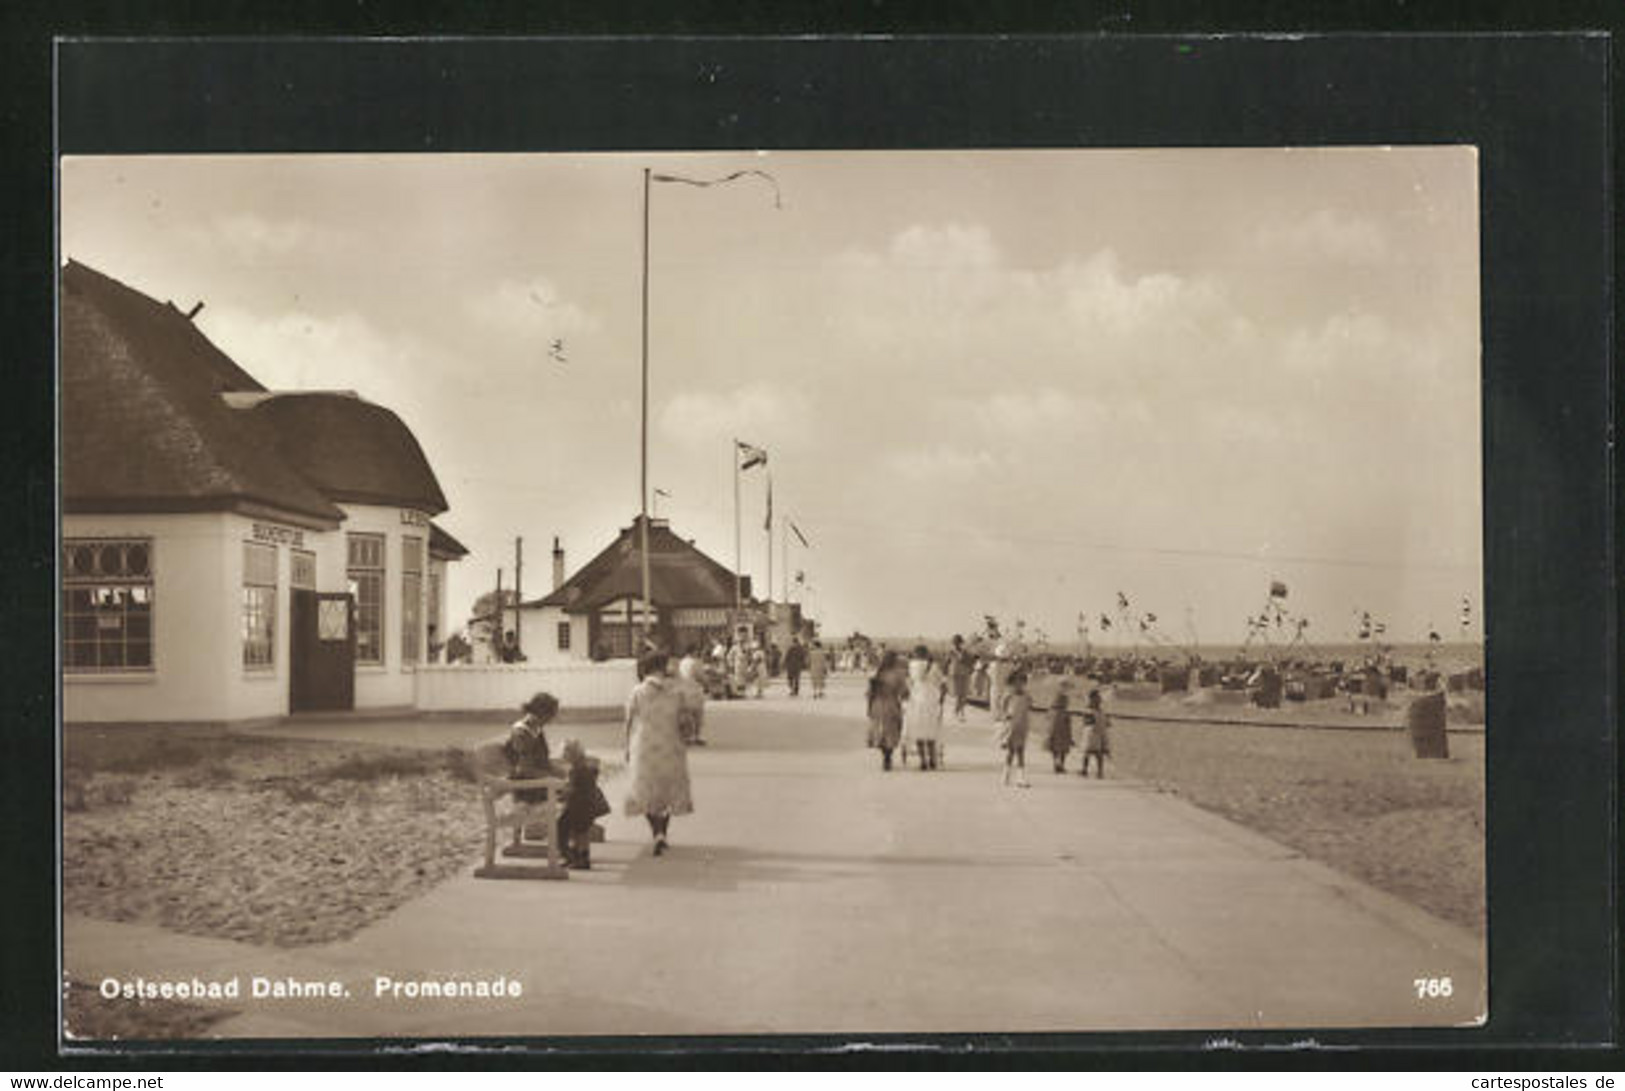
(469, 687)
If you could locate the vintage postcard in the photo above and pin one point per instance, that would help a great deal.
(729, 593)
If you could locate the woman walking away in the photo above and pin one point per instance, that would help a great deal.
(1059, 741)
(959, 668)
(1098, 743)
(655, 754)
(1016, 710)
(886, 690)
(922, 718)
(818, 667)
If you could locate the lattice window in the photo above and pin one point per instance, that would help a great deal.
(259, 605)
(366, 573)
(302, 567)
(411, 599)
(107, 593)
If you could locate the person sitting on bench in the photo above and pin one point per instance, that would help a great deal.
(526, 746)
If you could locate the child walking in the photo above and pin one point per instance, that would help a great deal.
(1059, 740)
(1098, 743)
(1016, 708)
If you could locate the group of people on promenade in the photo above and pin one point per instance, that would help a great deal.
(907, 703)
(747, 666)
(665, 715)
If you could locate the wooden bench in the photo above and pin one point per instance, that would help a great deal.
(533, 824)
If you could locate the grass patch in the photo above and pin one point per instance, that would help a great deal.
(368, 766)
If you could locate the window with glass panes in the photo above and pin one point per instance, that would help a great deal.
(302, 569)
(411, 599)
(365, 570)
(259, 605)
(431, 609)
(107, 604)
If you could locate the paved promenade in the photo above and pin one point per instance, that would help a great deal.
(811, 892)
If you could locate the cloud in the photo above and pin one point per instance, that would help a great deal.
(1018, 412)
(1348, 340)
(297, 350)
(1099, 297)
(758, 413)
(531, 310)
(1328, 235)
(941, 303)
(251, 237)
(940, 461)
(952, 246)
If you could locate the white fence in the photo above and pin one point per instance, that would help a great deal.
(467, 687)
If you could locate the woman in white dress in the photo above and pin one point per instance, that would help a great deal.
(922, 715)
(656, 755)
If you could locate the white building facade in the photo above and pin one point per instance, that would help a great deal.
(231, 554)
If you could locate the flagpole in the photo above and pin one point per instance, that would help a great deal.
(769, 528)
(784, 556)
(738, 549)
(643, 429)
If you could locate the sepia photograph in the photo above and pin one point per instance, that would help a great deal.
(725, 593)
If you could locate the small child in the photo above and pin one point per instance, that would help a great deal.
(1016, 708)
(584, 803)
(1059, 741)
(1098, 743)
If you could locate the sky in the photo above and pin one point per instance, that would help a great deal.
(1013, 383)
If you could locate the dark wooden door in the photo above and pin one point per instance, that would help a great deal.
(322, 677)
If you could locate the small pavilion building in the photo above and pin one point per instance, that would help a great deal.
(229, 552)
(596, 612)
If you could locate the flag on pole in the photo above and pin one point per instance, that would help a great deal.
(1122, 601)
(750, 457)
(663, 492)
(1105, 622)
(1277, 589)
(707, 182)
(767, 524)
(800, 537)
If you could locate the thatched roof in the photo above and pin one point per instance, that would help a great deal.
(351, 449)
(679, 575)
(144, 426)
(156, 418)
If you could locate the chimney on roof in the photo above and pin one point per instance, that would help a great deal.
(558, 564)
(196, 307)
